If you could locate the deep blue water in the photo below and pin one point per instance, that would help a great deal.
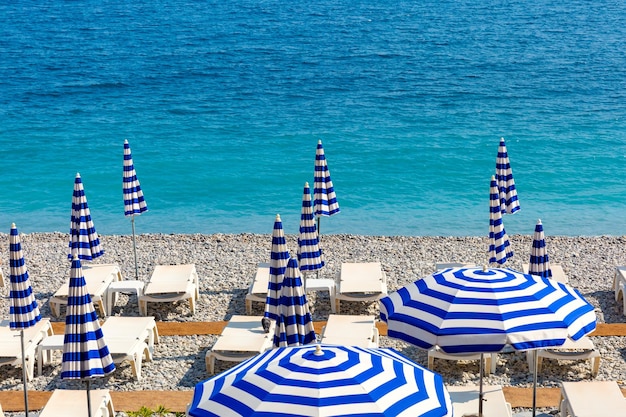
(223, 104)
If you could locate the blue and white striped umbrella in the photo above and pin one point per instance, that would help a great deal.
(85, 352)
(509, 202)
(499, 246)
(324, 197)
(323, 380)
(539, 260)
(134, 203)
(23, 309)
(309, 252)
(279, 256)
(84, 240)
(294, 326)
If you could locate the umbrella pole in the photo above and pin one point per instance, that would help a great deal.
(24, 374)
(88, 399)
(534, 382)
(132, 222)
(480, 392)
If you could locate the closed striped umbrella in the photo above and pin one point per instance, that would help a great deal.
(85, 352)
(23, 309)
(323, 380)
(469, 310)
(509, 202)
(134, 203)
(499, 246)
(279, 256)
(309, 252)
(324, 197)
(294, 326)
(84, 240)
(539, 261)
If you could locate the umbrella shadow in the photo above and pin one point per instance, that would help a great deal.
(605, 304)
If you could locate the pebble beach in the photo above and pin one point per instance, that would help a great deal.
(226, 263)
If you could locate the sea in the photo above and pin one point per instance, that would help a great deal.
(223, 104)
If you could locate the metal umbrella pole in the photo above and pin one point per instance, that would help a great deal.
(132, 222)
(24, 374)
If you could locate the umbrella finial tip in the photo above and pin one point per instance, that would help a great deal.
(485, 267)
(278, 217)
(318, 351)
(306, 184)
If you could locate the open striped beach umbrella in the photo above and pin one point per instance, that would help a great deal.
(85, 352)
(506, 184)
(309, 252)
(134, 203)
(294, 326)
(539, 261)
(324, 380)
(324, 197)
(499, 246)
(84, 240)
(23, 309)
(279, 256)
(470, 310)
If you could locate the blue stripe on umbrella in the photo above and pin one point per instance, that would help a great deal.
(134, 203)
(294, 326)
(309, 252)
(539, 259)
(324, 197)
(85, 353)
(324, 380)
(84, 241)
(23, 310)
(467, 310)
(509, 202)
(499, 245)
(279, 256)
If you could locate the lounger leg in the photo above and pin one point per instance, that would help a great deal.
(210, 363)
(192, 306)
(248, 307)
(431, 362)
(337, 307)
(595, 366)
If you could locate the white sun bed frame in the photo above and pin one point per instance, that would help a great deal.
(557, 273)
(581, 349)
(11, 345)
(170, 283)
(619, 286)
(361, 281)
(465, 401)
(592, 399)
(64, 402)
(257, 291)
(243, 337)
(349, 330)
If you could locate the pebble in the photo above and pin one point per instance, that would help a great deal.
(226, 263)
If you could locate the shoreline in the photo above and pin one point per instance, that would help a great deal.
(226, 262)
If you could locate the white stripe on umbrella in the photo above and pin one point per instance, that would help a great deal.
(85, 353)
(324, 197)
(322, 380)
(279, 256)
(539, 261)
(134, 203)
(23, 310)
(499, 246)
(84, 241)
(509, 202)
(294, 326)
(309, 252)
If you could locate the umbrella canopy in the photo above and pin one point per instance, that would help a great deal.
(506, 184)
(84, 240)
(134, 203)
(324, 197)
(539, 260)
(85, 353)
(499, 246)
(323, 380)
(294, 326)
(23, 309)
(467, 310)
(279, 256)
(309, 252)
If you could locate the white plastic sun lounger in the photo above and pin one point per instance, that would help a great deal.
(242, 338)
(581, 349)
(131, 339)
(619, 286)
(257, 291)
(11, 345)
(557, 273)
(350, 330)
(170, 283)
(64, 402)
(592, 399)
(98, 277)
(465, 401)
(365, 281)
(490, 359)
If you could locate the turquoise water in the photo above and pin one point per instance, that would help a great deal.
(223, 104)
